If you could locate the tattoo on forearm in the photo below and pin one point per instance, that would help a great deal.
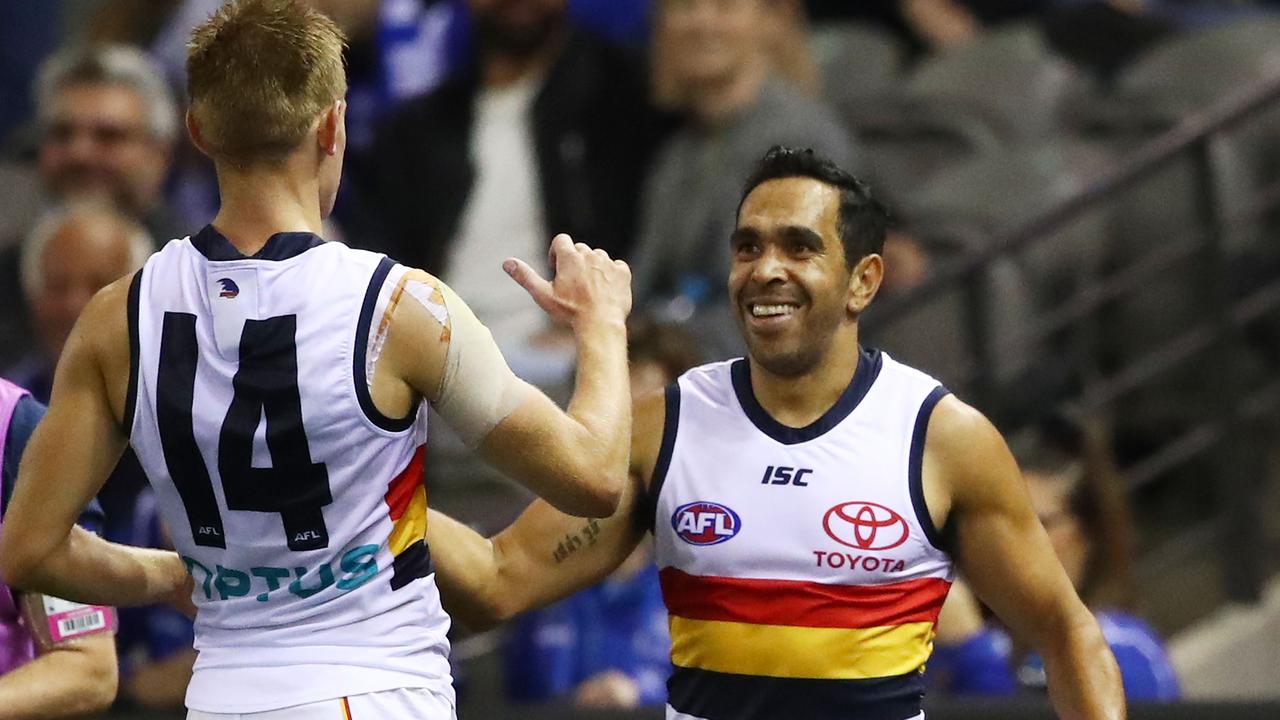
(571, 543)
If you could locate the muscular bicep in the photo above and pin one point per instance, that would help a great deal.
(435, 348)
(1000, 546)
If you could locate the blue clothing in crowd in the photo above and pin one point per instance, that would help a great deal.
(32, 29)
(983, 664)
(153, 632)
(617, 625)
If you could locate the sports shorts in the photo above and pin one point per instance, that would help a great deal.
(399, 704)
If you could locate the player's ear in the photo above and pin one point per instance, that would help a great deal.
(864, 283)
(331, 133)
(193, 129)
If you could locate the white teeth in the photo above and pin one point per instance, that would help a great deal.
(771, 310)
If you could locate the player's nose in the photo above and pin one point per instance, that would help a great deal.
(769, 266)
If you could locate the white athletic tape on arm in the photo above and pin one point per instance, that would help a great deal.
(478, 389)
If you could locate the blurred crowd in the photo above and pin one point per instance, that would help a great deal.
(479, 128)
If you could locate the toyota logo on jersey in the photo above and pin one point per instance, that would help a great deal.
(705, 523)
(865, 526)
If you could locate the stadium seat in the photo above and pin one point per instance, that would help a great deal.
(1008, 78)
(999, 191)
(935, 335)
(905, 144)
(1192, 73)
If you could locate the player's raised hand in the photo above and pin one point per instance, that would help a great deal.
(587, 285)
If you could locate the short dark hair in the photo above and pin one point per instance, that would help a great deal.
(864, 220)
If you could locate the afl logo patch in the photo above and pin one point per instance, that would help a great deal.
(705, 523)
(865, 526)
(229, 288)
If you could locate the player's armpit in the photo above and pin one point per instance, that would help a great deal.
(1005, 555)
(76, 679)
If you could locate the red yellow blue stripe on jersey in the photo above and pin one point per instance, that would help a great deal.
(850, 646)
(407, 506)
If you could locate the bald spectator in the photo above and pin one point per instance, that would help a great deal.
(712, 61)
(71, 254)
(108, 124)
(67, 258)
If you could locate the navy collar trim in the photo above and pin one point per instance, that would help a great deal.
(281, 246)
(869, 363)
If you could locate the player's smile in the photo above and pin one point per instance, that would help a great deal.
(768, 315)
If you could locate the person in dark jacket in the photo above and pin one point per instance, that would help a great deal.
(549, 131)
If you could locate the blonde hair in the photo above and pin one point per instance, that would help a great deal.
(259, 73)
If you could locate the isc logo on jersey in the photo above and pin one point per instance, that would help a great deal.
(705, 523)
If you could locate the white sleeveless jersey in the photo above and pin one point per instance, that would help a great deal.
(800, 567)
(298, 508)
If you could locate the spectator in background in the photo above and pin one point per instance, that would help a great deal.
(712, 62)
(548, 130)
(70, 255)
(397, 49)
(1078, 495)
(154, 642)
(107, 127)
(607, 646)
(41, 677)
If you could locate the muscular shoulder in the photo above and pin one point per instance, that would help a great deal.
(97, 350)
(965, 458)
(416, 331)
(100, 342)
(104, 324)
